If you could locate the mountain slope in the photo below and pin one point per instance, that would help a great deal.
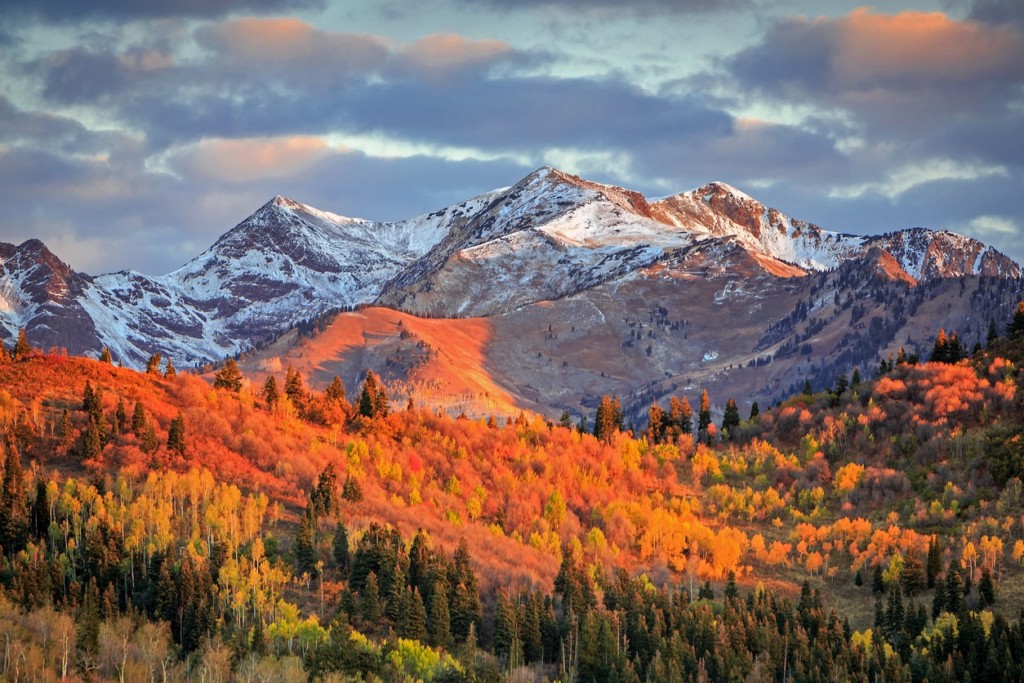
(549, 241)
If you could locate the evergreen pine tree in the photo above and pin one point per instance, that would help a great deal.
(414, 624)
(1015, 329)
(986, 588)
(88, 398)
(40, 519)
(229, 377)
(755, 410)
(609, 418)
(139, 420)
(368, 401)
(855, 380)
(22, 348)
(704, 416)
(270, 393)
(440, 620)
(92, 441)
(339, 549)
(169, 371)
(335, 391)
(176, 434)
(505, 627)
(369, 601)
(306, 546)
(933, 564)
(730, 420)
(153, 364)
(105, 356)
(656, 426)
(14, 513)
(351, 491)
(87, 622)
(121, 416)
(293, 388)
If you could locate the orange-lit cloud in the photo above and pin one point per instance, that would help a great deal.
(243, 160)
(443, 52)
(291, 40)
(922, 45)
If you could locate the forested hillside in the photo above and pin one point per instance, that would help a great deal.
(157, 527)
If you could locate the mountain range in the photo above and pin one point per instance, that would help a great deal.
(555, 291)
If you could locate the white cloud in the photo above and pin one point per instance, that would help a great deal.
(905, 178)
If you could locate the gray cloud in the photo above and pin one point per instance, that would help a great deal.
(76, 10)
(998, 11)
(640, 6)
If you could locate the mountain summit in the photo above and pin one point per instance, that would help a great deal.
(551, 241)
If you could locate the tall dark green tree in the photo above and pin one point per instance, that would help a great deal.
(369, 601)
(176, 434)
(413, 625)
(270, 393)
(306, 546)
(439, 618)
(339, 549)
(1015, 329)
(14, 513)
(704, 416)
(373, 400)
(730, 420)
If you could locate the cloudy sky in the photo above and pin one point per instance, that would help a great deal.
(133, 133)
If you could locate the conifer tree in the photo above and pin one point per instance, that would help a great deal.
(1015, 329)
(14, 513)
(306, 551)
(139, 419)
(609, 418)
(153, 364)
(176, 434)
(755, 410)
(339, 549)
(439, 617)
(730, 420)
(351, 491)
(655, 423)
(270, 393)
(505, 627)
(934, 563)
(704, 416)
(335, 391)
(92, 443)
(40, 518)
(22, 348)
(121, 416)
(293, 387)
(369, 601)
(105, 356)
(414, 622)
(169, 371)
(229, 377)
(373, 401)
(65, 429)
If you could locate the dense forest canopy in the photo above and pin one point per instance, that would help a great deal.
(156, 526)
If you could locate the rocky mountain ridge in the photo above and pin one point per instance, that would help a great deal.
(550, 237)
